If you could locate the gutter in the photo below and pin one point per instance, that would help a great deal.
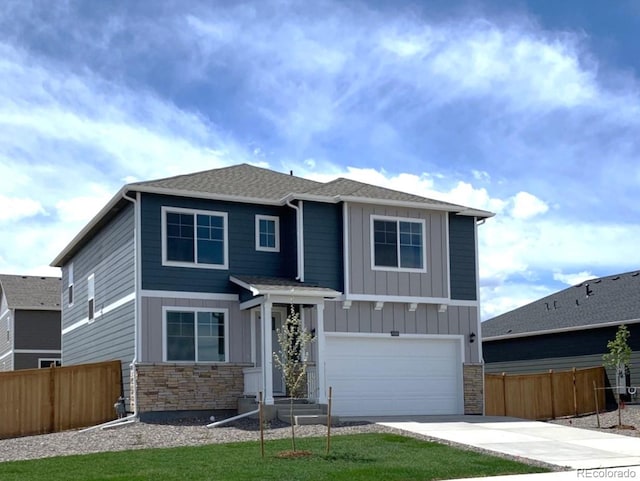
(234, 418)
(299, 238)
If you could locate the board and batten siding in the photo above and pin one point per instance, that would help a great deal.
(152, 326)
(110, 256)
(363, 318)
(364, 280)
(244, 259)
(462, 257)
(323, 244)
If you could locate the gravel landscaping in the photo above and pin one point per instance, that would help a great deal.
(192, 432)
(608, 421)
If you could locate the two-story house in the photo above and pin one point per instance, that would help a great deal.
(29, 322)
(185, 280)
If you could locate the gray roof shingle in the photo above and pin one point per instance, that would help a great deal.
(242, 180)
(609, 299)
(31, 292)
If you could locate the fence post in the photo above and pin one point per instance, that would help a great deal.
(575, 393)
(595, 395)
(52, 398)
(553, 398)
(504, 393)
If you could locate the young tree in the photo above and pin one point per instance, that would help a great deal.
(618, 358)
(292, 358)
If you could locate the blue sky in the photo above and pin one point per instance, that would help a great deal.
(530, 109)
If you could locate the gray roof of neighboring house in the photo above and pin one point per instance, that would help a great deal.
(251, 184)
(31, 292)
(606, 300)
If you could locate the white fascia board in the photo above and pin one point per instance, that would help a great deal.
(403, 203)
(38, 308)
(209, 296)
(561, 329)
(409, 299)
(38, 351)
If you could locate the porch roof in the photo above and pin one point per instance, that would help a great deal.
(278, 286)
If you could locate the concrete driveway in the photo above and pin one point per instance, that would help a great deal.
(574, 448)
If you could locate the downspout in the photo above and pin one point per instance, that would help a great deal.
(234, 418)
(299, 239)
(131, 418)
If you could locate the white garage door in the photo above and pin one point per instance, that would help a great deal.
(377, 376)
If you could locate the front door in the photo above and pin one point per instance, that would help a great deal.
(277, 317)
(278, 314)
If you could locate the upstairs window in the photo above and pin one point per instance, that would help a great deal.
(194, 238)
(91, 297)
(70, 286)
(267, 233)
(196, 335)
(398, 244)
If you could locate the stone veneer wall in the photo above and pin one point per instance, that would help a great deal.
(473, 381)
(177, 387)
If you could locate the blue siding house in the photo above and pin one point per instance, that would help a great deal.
(185, 280)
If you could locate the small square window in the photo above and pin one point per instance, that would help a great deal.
(267, 233)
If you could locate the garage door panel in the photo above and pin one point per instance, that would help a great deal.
(386, 376)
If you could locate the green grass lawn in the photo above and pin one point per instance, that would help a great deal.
(357, 457)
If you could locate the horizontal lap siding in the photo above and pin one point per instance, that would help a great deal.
(363, 318)
(559, 351)
(244, 259)
(110, 256)
(37, 330)
(152, 326)
(5, 341)
(364, 280)
(25, 360)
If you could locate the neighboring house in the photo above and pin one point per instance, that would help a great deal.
(29, 322)
(179, 278)
(567, 329)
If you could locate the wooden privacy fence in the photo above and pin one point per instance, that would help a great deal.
(37, 401)
(546, 395)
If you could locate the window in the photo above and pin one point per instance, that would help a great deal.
(194, 238)
(398, 244)
(267, 233)
(46, 363)
(70, 287)
(196, 335)
(91, 295)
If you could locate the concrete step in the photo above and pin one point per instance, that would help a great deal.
(308, 419)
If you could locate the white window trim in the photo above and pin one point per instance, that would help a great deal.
(195, 310)
(49, 359)
(195, 263)
(70, 287)
(276, 220)
(372, 246)
(91, 296)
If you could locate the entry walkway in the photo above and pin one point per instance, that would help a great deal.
(574, 448)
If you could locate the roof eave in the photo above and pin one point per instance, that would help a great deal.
(58, 261)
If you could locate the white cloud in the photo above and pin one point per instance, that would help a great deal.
(16, 208)
(526, 205)
(573, 279)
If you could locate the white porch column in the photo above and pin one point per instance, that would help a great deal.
(322, 387)
(267, 352)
